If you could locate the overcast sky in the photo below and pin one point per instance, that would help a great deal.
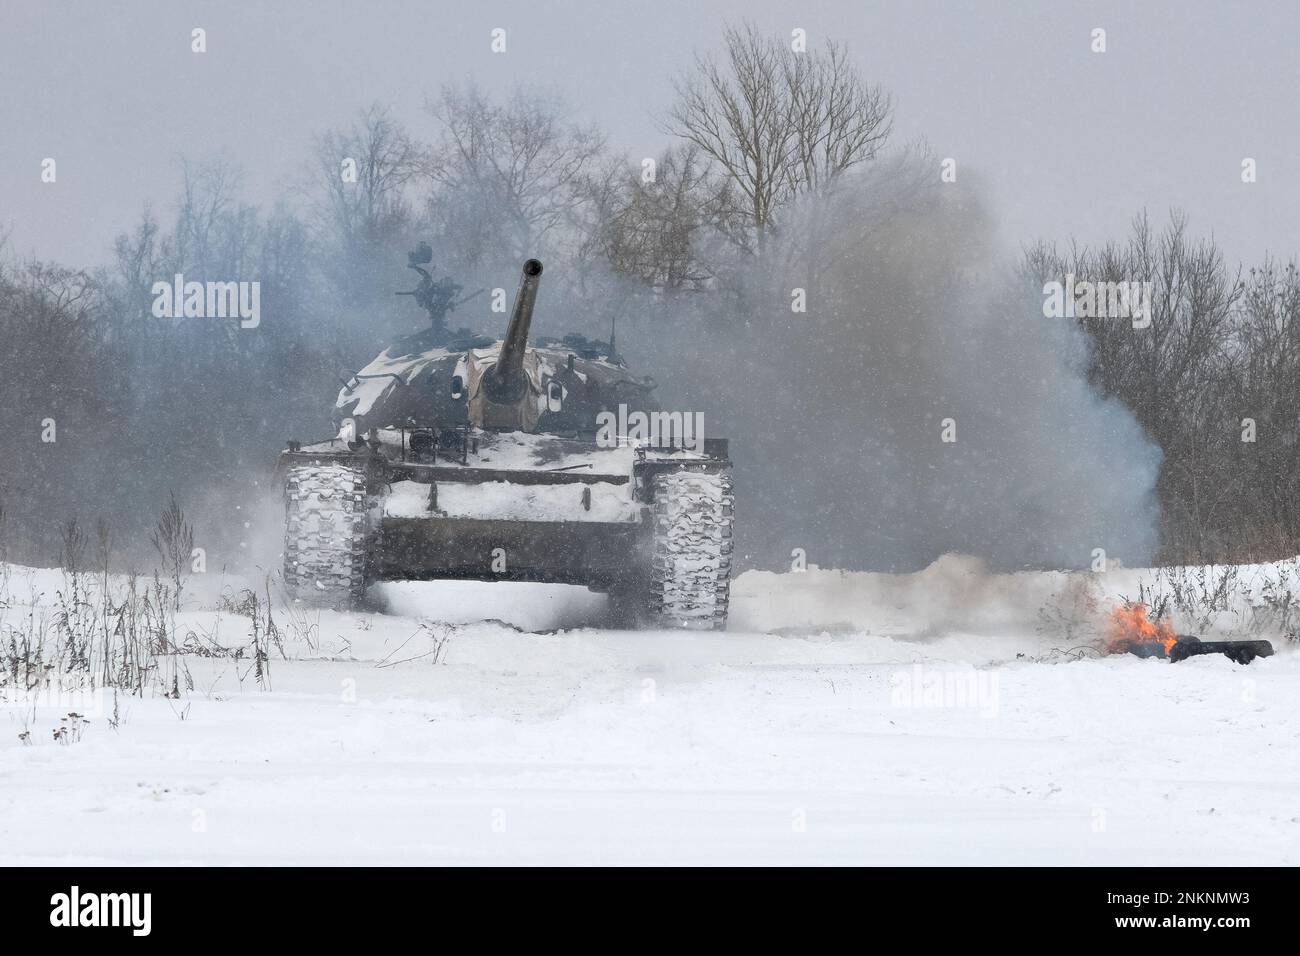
(1068, 142)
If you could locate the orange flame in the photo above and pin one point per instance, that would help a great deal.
(1130, 625)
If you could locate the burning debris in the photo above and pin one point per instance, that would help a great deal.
(1131, 631)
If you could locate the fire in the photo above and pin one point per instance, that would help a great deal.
(1130, 625)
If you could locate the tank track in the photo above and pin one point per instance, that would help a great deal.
(326, 518)
(691, 564)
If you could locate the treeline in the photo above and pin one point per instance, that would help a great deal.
(111, 407)
(1214, 381)
(773, 176)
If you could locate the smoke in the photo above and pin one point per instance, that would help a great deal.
(915, 326)
(914, 323)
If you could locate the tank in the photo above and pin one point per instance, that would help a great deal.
(460, 456)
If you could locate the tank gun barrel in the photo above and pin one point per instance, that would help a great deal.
(510, 363)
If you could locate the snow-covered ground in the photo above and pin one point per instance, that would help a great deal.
(943, 717)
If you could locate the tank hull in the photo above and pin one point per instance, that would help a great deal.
(507, 506)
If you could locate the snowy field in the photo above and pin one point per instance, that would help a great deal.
(944, 717)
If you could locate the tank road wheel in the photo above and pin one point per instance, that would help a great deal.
(691, 567)
(326, 519)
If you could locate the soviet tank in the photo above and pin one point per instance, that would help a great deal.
(458, 456)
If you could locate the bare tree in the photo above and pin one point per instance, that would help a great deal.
(508, 178)
(136, 258)
(360, 173)
(777, 123)
(648, 226)
(1267, 379)
(1177, 375)
(53, 368)
(208, 217)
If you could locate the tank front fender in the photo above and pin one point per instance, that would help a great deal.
(595, 554)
